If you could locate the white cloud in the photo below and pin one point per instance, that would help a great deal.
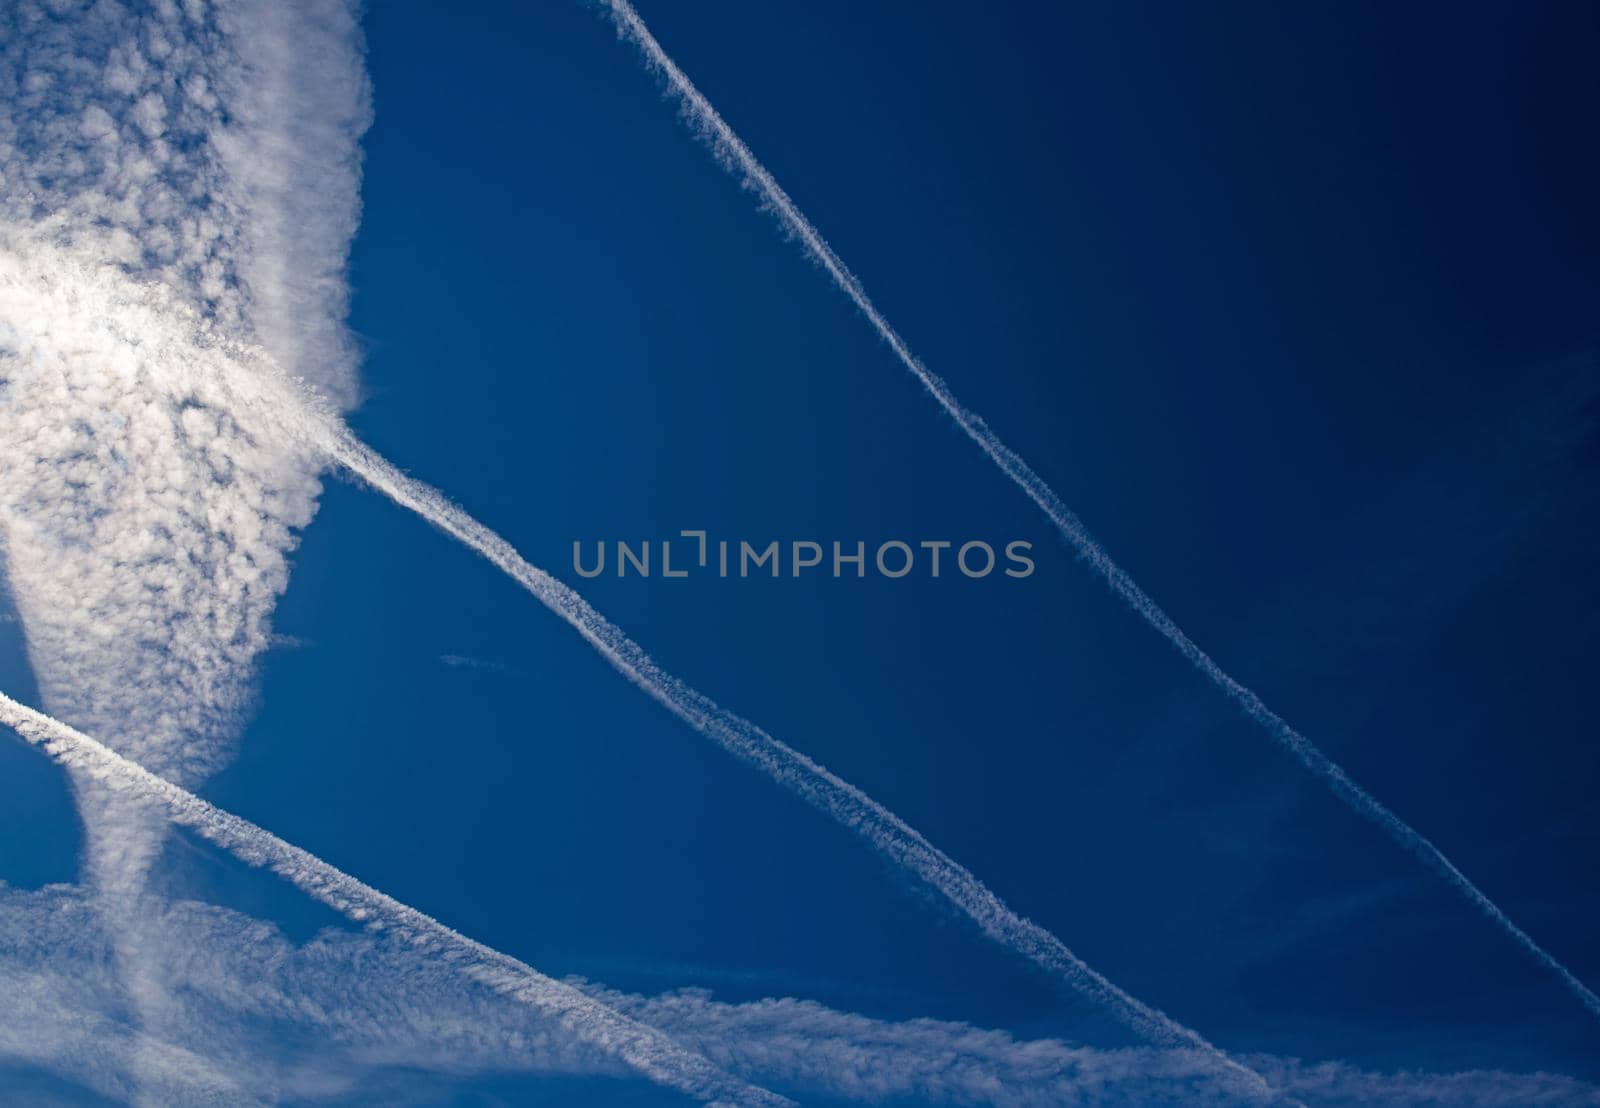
(208, 150)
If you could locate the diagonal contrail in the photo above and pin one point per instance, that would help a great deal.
(647, 1050)
(731, 152)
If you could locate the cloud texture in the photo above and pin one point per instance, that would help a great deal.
(348, 1018)
(206, 154)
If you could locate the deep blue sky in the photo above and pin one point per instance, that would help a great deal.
(1295, 306)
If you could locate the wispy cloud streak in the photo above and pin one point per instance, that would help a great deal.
(803, 1044)
(648, 1051)
(352, 1018)
(731, 152)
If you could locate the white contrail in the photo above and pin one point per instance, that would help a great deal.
(648, 1051)
(731, 152)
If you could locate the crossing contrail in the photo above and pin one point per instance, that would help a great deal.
(731, 152)
(647, 1050)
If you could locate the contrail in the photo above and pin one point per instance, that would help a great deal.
(731, 152)
(647, 1050)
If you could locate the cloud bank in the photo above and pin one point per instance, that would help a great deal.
(350, 1018)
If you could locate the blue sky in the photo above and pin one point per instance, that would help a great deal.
(1294, 308)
